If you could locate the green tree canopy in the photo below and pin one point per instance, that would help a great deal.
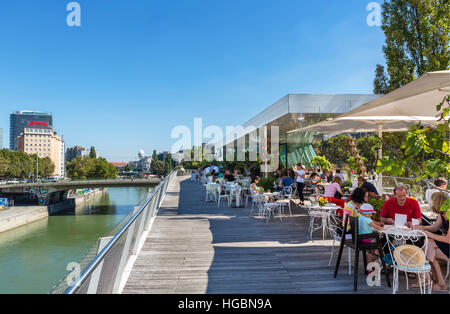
(416, 41)
(82, 168)
(93, 153)
(19, 165)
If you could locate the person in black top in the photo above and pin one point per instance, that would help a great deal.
(369, 187)
(228, 176)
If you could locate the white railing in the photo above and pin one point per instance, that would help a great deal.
(105, 272)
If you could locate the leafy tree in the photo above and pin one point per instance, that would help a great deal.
(367, 148)
(46, 167)
(381, 84)
(93, 153)
(169, 164)
(128, 168)
(335, 149)
(16, 164)
(82, 168)
(426, 151)
(321, 162)
(417, 41)
(159, 167)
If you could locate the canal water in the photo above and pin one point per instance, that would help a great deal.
(34, 257)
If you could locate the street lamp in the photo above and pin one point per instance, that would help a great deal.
(37, 167)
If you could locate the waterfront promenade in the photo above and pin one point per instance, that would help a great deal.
(196, 247)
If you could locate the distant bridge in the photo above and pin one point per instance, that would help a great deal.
(72, 185)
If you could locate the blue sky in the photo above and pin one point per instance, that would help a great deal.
(137, 68)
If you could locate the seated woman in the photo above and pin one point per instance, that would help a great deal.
(254, 189)
(438, 245)
(358, 198)
(314, 178)
(333, 190)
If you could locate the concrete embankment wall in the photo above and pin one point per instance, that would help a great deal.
(81, 199)
(19, 216)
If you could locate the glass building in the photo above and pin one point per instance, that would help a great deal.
(20, 119)
(292, 112)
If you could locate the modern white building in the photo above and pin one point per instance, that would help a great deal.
(292, 112)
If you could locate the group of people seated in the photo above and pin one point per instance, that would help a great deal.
(218, 172)
(438, 235)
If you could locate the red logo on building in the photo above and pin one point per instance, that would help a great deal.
(37, 123)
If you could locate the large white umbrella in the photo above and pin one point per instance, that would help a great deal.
(416, 99)
(396, 111)
(336, 126)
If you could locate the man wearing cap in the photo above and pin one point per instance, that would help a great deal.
(400, 204)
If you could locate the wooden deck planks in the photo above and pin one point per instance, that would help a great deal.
(196, 247)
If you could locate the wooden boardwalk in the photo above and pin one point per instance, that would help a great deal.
(195, 248)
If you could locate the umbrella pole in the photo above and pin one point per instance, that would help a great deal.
(380, 156)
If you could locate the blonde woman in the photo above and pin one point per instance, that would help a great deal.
(438, 245)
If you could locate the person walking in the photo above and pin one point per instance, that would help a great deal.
(300, 174)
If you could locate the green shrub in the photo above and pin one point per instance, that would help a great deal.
(267, 183)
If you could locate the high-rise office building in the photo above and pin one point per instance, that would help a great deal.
(43, 141)
(20, 119)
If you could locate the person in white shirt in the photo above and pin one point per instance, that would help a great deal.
(441, 183)
(300, 175)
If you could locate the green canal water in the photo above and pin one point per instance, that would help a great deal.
(34, 257)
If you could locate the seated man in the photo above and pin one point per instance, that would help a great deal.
(286, 180)
(441, 183)
(369, 187)
(228, 176)
(400, 204)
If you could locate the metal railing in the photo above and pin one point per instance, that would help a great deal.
(104, 273)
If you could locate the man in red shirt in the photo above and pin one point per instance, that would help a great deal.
(400, 204)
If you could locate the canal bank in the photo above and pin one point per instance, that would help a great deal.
(18, 216)
(36, 256)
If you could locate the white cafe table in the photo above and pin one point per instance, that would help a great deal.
(233, 190)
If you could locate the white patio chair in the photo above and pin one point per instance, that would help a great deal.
(286, 197)
(221, 196)
(394, 240)
(268, 209)
(256, 200)
(211, 192)
(235, 195)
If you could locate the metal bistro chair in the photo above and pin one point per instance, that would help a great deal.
(336, 230)
(286, 197)
(355, 244)
(267, 209)
(412, 237)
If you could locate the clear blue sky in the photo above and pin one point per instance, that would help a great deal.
(137, 68)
